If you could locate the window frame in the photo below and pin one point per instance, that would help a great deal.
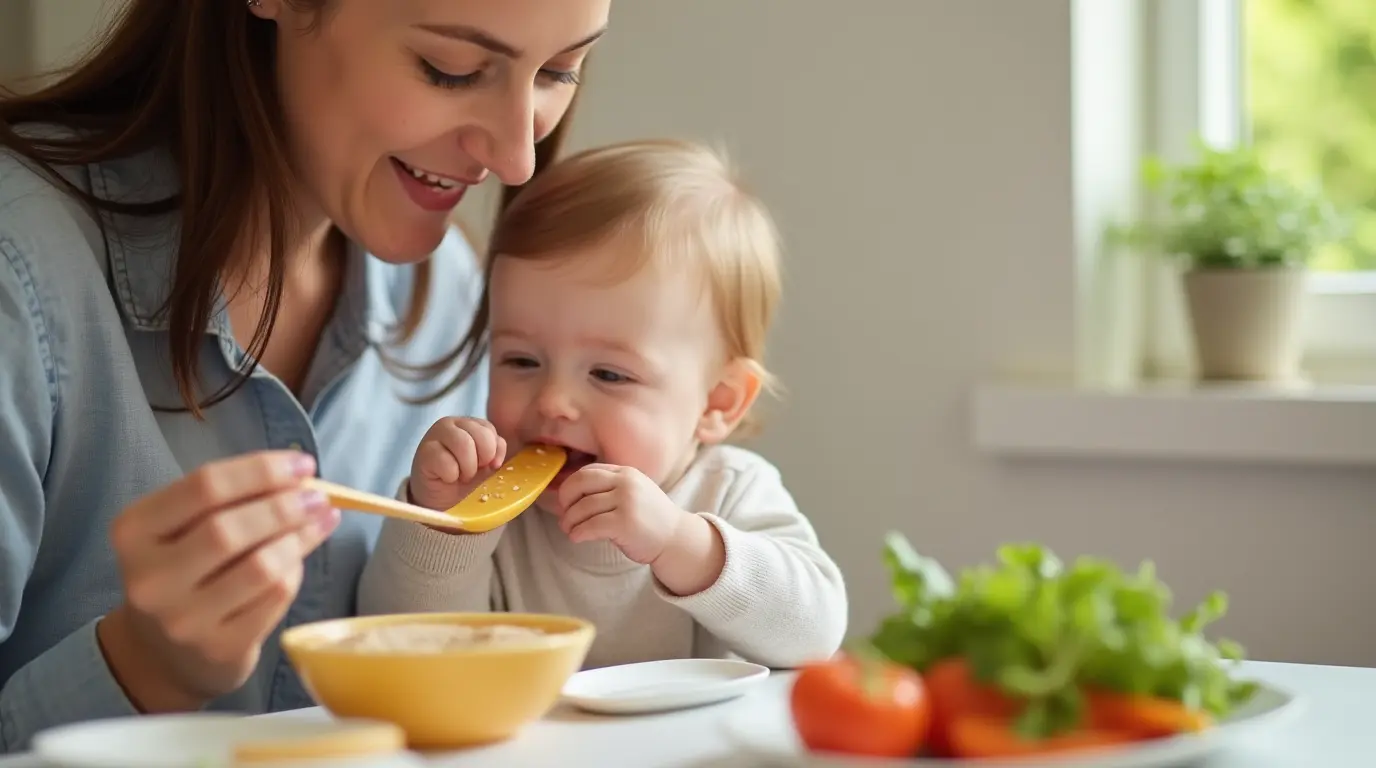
(1198, 66)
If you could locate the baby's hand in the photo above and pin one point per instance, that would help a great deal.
(622, 505)
(453, 457)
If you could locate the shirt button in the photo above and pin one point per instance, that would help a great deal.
(294, 446)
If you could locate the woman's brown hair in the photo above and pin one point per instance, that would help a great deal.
(194, 77)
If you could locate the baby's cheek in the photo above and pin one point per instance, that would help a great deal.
(646, 443)
(504, 411)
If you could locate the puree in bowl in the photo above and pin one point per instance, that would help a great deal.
(423, 637)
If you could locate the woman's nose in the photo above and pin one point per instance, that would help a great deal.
(505, 141)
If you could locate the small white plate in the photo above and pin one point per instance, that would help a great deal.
(658, 686)
(204, 740)
(766, 732)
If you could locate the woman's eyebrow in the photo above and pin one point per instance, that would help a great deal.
(485, 40)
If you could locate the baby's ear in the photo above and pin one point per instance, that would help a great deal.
(729, 401)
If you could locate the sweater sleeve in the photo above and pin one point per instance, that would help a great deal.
(416, 569)
(780, 600)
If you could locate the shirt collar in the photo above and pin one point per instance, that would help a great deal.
(143, 253)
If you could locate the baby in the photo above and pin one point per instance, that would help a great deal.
(629, 293)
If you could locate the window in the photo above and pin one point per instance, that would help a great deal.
(1148, 76)
(1310, 96)
(1297, 79)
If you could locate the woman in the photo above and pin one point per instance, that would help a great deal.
(225, 265)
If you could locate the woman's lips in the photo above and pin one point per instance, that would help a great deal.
(429, 191)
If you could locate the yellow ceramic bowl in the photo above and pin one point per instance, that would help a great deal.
(443, 699)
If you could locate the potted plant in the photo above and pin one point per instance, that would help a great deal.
(1244, 236)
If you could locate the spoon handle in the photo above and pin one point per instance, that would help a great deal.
(345, 497)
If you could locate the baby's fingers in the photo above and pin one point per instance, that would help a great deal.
(594, 478)
(488, 446)
(603, 527)
(585, 509)
(463, 446)
(500, 455)
(436, 462)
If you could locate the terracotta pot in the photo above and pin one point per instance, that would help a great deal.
(1247, 323)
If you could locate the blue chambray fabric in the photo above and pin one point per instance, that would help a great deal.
(83, 360)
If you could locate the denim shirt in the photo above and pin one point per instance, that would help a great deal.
(83, 361)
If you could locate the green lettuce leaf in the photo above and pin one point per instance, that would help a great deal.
(1042, 631)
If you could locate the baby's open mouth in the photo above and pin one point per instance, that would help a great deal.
(578, 459)
(574, 461)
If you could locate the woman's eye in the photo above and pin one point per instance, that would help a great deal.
(609, 377)
(566, 77)
(443, 79)
(520, 362)
(439, 77)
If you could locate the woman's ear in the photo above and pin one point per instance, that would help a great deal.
(264, 9)
(729, 401)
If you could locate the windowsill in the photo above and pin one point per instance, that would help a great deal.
(1320, 425)
(1342, 283)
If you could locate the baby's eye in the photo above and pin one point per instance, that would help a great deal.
(609, 377)
(518, 361)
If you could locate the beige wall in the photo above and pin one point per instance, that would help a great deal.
(40, 35)
(918, 156)
(14, 39)
(62, 28)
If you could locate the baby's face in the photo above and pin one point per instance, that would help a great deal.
(616, 367)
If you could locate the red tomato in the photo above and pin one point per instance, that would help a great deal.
(860, 707)
(955, 692)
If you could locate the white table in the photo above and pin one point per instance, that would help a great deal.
(1336, 730)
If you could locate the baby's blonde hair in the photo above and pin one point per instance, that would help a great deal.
(691, 209)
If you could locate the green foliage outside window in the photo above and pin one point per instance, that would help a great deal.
(1311, 94)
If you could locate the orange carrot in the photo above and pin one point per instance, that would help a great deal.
(979, 736)
(1147, 717)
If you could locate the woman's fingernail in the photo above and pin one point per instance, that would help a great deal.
(327, 521)
(314, 502)
(303, 465)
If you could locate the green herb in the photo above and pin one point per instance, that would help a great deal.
(1040, 631)
(1228, 210)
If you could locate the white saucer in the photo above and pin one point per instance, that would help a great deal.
(204, 740)
(658, 686)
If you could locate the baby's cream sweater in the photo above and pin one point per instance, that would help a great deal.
(780, 600)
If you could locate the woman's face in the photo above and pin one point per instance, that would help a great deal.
(395, 107)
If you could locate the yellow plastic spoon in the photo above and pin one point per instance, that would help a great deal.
(510, 490)
(498, 500)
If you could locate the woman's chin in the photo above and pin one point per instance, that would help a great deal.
(397, 245)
